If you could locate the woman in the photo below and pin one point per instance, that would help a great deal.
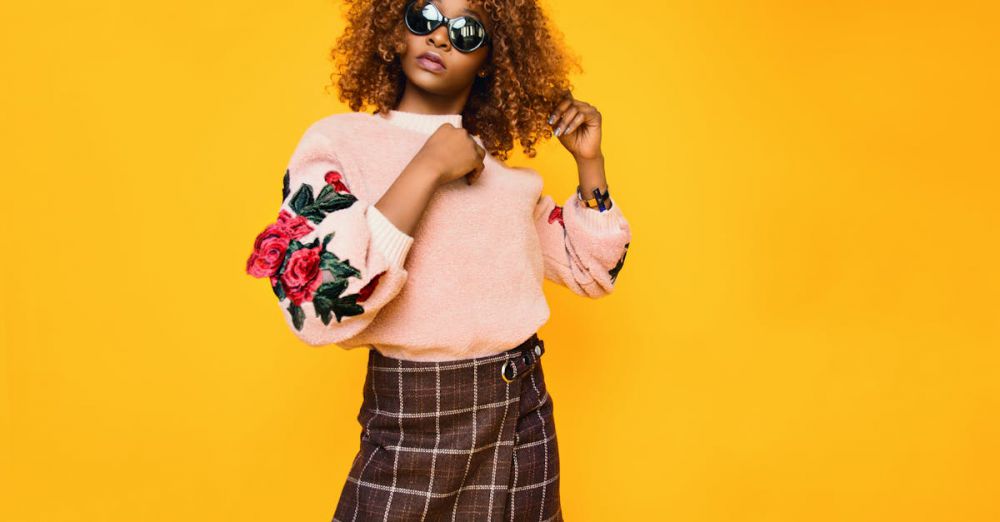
(398, 233)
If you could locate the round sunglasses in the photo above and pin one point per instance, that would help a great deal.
(466, 33)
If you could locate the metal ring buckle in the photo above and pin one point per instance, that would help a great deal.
(503, 370)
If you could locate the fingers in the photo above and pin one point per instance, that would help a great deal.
(474, 174)
(480, 167)
(575, 122)
(561, 106)
(564, 119)
(480, 164)
(560, 110)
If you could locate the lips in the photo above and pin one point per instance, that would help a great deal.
(431, 57)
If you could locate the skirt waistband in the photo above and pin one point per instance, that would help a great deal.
(389, 376)
(528, 345)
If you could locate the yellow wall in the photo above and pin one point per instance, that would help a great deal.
(806, 327)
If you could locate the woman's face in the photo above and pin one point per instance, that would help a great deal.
(459, 69)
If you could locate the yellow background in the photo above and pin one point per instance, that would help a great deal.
(806, 327)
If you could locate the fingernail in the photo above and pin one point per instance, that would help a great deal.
(552, 119)
(558, 130)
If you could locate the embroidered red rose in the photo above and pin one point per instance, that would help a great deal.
(268, 251)
(301, 277)
(557, 214)
(336, 179)
(295, 227)
(367, 290)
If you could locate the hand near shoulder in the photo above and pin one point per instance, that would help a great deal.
(451, 153)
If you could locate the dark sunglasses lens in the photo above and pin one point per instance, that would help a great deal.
(422, 19)
(467, 34)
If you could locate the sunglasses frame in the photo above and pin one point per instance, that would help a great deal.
(444, 20)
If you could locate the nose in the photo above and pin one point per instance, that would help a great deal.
(439, 37)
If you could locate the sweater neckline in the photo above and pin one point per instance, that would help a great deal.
(420, 122)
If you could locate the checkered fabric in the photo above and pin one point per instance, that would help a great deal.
(455, 441)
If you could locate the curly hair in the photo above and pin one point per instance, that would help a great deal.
(528, 67)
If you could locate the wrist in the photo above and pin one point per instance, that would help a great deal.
(595, 198)
(595, 159)
(426, 172)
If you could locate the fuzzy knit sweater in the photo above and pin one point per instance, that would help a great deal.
(467, 283)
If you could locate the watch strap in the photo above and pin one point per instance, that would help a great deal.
(599, 201)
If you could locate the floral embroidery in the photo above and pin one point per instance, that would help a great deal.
(614, 271)
(284, 185)
(366, 292)
(268, 251)
(336, 179)
(301, 276)
(557, 214)
(332, 197)
(295, 269)
(296, 227)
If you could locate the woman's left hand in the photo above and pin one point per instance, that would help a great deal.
(579, 126)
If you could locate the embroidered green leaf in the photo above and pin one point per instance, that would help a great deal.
(347, 306)
(341, 269)
(302, 198)
(279, 290)
(327, 238)
(327, 300)
(327, 201)
(312, 214)
(334, 200)
(621, 262)
(326, 296)
(298, 316)
(284, 185)
(325, 192)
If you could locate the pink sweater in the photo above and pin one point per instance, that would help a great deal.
(468, 283)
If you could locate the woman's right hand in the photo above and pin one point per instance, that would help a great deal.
(452, 153)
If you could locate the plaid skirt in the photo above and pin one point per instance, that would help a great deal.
(463, 440)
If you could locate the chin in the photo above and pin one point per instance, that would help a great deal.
(430, 82)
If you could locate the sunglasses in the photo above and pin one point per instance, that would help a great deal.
(465, 32)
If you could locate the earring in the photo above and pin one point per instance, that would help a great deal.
(482, 74)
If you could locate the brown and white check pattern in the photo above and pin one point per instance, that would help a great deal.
(452, 441)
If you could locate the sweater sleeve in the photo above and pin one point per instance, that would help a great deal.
(583, 248)
(332, 259)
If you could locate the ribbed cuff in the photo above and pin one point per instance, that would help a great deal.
(592, 218)
(391, 241)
